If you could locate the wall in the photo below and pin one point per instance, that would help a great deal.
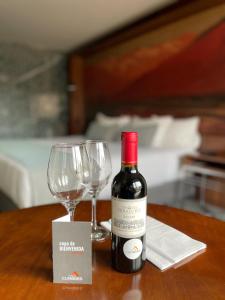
(175, 67)
(33, 100)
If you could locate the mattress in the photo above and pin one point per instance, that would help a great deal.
(23, 168)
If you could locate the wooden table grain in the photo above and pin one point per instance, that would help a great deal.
(26, 265)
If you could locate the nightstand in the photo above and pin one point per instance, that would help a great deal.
(207, 174)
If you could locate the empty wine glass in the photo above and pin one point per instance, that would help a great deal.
(100, 172)
(68, 174)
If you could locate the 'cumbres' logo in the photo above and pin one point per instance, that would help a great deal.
(132, 249)
(135, 249)
(74, 276)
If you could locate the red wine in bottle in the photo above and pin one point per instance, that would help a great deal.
(129, 199)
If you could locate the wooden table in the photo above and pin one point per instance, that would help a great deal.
(26, 265)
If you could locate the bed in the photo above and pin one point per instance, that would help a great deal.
(23, 163)
(23, 167)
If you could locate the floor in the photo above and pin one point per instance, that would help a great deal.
(183, 196)
(193, 205)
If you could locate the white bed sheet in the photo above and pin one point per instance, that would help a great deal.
(23, 168)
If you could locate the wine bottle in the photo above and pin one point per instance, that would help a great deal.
(129, 199)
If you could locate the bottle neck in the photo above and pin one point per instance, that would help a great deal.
(129, 151)
(129, 168)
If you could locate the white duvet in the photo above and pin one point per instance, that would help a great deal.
(23, 168)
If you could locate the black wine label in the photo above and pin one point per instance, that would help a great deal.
(129, 217)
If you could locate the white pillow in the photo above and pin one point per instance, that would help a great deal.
(162, 124)
(183, 133)
(110, 121)
(145, 133)
(96, 131)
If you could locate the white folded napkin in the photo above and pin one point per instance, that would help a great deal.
(166, 246)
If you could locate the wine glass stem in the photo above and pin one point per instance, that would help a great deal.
(93, 219)
(71, 212)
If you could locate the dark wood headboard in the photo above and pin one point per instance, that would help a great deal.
(169, 63)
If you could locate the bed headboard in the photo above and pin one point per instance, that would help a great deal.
(169, 63)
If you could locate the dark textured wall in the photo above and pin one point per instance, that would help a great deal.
(33, 100)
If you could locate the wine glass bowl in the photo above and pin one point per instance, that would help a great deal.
(100, 171)
(68, 174)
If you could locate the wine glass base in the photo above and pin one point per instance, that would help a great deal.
(99, 234)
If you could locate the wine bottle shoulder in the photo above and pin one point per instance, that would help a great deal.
(129, 185)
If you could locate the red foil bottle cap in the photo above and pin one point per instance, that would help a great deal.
(129, 147)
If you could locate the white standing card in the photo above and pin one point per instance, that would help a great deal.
(72, 251)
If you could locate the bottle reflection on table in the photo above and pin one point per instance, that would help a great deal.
(134, 293)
